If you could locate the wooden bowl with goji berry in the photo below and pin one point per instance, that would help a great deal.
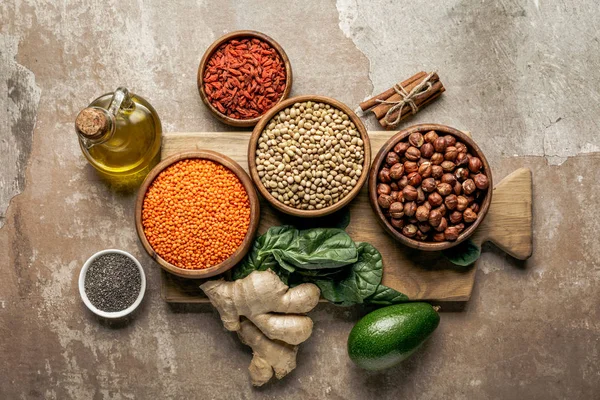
(196, 214)
(242, 75)
(430, 186)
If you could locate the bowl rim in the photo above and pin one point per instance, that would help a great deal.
(86, 300)
(244, 123)
(263, 123)
(240, 252)
(377, 162)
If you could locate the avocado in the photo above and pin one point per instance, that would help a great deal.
(386, 336)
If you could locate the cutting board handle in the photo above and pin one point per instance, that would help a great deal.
(508, 223)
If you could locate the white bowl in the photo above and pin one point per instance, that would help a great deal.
(113, 314)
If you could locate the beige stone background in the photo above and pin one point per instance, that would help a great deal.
(523, 76)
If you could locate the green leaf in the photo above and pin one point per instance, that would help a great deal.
(319, 248)
(464, 254)
(386, 296)
(358, 281)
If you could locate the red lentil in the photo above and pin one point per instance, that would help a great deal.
(196, 214)
(244, 78)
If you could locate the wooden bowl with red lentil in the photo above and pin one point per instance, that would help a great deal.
(196, 214)
(242, 75)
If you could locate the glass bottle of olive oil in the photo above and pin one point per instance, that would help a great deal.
(120, 135)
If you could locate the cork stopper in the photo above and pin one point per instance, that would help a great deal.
(92, 122)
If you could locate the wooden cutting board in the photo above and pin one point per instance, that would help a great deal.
(419, 275)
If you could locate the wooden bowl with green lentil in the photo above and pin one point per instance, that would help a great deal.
(198, 228)
(309, 156)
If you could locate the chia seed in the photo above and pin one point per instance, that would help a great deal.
(112, 282)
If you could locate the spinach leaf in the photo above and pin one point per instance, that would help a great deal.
(464, 254)
(318, 248)
(360, 280)
(386, 296)
(260, 257)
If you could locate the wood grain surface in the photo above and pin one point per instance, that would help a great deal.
(420, 275)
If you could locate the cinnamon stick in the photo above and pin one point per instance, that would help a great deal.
(420, 101)
(372, 102)
(382, 109)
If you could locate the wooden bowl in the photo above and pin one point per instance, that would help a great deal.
(254, 214)
(236, 35)
(254, 142)
(380, 159)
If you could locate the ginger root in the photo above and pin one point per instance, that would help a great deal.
(273, 326)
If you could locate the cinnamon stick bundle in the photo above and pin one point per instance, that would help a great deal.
(404, 99)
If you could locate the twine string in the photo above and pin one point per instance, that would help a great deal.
(406, 99)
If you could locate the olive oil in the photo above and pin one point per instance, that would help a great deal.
(120, 135)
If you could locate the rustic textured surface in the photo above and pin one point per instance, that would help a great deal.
(522, 75)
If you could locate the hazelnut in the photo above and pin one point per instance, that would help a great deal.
(435, 199)
(397, 223)
(430, 136)
(410, 208)
(444, 189)
(451, 201)
(396, 171)
(427, 150)
(420, 236)
(392, 158)
(422, 213)
(409, 230)
(396, 195)
(428, 205)
(410, 193)
(469, 186)
(462, 160)
(437, 158)
(442, 210)
(440, 145)
(425, 169)
(394, 186)
(455, 216)
(462, 203)
(397, 210)
(437, 171)
(435, 218)
(471, 199)
(461, 147)
(457, 188)
(414, 179)
(403, 182)
(384, 175)
(420, 195)
(384, 200)
(460, 227)
(439, 237)
(412, 154)
(410, 166)
(469, 215)
(475, 207)
(416, 139)
(424, 227)
(442, 226)
(475, 164)
(481, 181)
(449, 179)
(384, 188)
(461, 174)
(451, 233)
(401, 148)
(428, 185)
(450, 140)
(448, 166)
(451, 153)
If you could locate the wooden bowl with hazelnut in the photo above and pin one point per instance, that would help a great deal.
(430, 186)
